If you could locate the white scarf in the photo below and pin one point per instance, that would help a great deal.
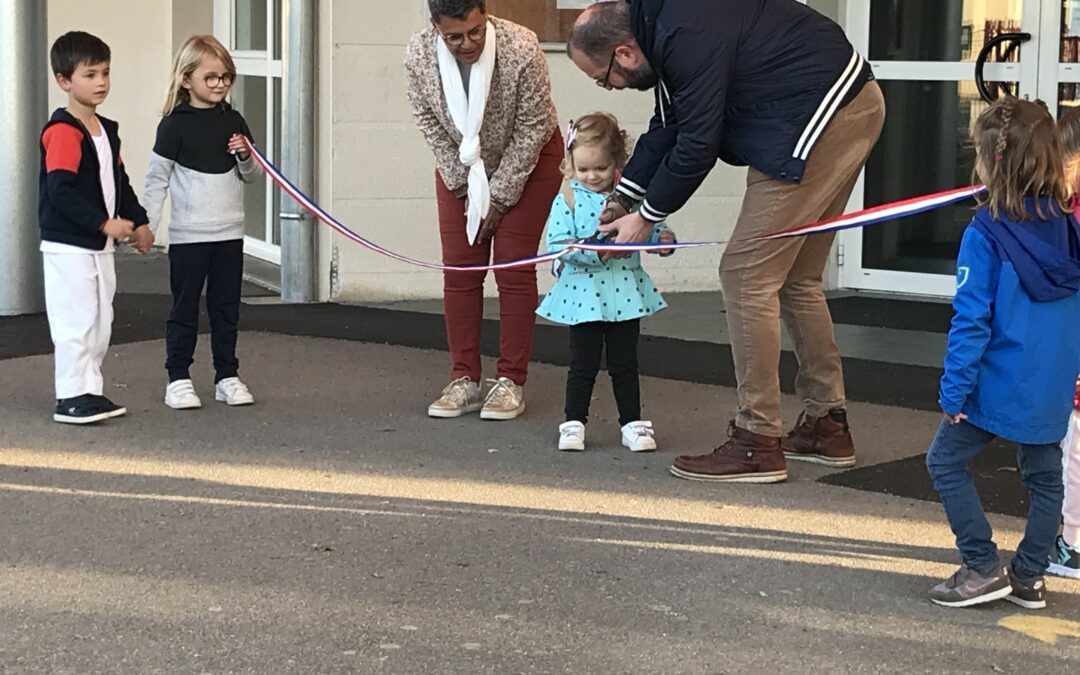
(467, 111)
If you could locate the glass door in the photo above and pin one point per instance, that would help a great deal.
(251, 30)
(923, 54)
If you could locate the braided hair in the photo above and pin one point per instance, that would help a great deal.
(1019, 156)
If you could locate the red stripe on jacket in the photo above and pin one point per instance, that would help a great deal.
(63, 148)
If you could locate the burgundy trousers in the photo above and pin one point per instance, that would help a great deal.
(517, 236)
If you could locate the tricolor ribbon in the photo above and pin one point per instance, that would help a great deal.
(864, 218)
(883, 213)
(333, 223)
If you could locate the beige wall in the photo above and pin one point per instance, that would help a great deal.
(142, 36)
(382, 172)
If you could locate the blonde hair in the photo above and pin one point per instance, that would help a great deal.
(598, 128)
(1019, 150)
(188, 57)
(1069, 133)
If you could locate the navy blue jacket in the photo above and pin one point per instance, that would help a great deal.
(751, 82)
(1014, 345)
(71, 204)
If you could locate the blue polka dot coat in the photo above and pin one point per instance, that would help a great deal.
(587, 288)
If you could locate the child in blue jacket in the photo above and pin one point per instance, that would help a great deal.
(1013, 353)
(601, 300)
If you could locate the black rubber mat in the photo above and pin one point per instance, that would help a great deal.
(995, 473)
(141, 317)
(932, 317)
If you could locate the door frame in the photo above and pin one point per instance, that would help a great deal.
(257, 64)
(1035, 81)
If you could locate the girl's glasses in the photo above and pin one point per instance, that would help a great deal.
(214, 80)
(475, 36)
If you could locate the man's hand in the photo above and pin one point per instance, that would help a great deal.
(630, 229)
(238, 146)
(118, 228)
(142, 239)
(489, 225)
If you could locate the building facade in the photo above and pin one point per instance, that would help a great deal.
(374, 172)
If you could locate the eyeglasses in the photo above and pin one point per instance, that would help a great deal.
(475, 36)
(605, 83)
(214, 80)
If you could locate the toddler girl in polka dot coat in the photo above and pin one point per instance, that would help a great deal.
(601, 300)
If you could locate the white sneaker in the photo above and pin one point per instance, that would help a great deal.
(180, 395)
(233, 392)
(504, 401)
(458, 398)
(572, 436)
(638, 436)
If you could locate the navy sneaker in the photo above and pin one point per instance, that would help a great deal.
(79, 410)
(1064, 560)
(1028, 593)
(108, 406)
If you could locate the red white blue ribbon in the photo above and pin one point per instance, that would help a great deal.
(864, 218)
(883, 213)
(333, 223)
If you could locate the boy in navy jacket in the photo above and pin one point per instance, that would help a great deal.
(86, 204)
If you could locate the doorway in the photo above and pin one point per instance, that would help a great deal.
(923, 54)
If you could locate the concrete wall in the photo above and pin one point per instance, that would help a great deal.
(383, 174)
(142, 36)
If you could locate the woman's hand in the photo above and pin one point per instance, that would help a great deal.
(630, 229)
(238, 147)
(489, 225)
(612, 212)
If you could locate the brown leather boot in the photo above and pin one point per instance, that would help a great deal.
(822, 440)
(746, 458)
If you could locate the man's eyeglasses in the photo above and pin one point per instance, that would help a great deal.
(214, 80)
(475, 36)
(605, 83)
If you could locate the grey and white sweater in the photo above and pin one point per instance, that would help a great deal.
(192, 165)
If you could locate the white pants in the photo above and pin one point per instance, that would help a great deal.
(1071, 460)
(79, 289)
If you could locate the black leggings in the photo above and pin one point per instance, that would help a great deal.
(219, 266)
(586, 346)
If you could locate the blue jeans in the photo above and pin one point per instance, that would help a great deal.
(1040, 471)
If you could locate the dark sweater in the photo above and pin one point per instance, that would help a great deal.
(71, 203)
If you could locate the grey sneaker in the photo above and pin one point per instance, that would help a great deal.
(458, 398)
(967, 587)
(1028, 593)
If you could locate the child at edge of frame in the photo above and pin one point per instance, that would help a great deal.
(201, 161)
(85, 206)
(1065, 557)
(602, 301)
(1013, 355)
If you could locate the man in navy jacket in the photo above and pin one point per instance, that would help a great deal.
(776, 86)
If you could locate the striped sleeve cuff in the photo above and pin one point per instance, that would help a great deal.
(630, 190)
(652, 215)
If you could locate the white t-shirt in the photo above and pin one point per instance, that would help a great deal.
(108, 188)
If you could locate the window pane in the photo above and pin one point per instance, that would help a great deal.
(941, 115)
(250, 25)
(279, 30)
(940, 30)
(547, 18)
(249, 97)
